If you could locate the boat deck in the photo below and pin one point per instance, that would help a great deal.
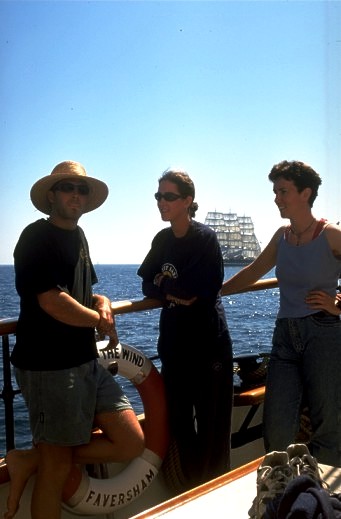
(230, 495)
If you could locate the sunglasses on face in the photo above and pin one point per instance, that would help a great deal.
(169, 197)
(69, 187)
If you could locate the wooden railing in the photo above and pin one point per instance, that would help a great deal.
(8, 327)
(124, 307)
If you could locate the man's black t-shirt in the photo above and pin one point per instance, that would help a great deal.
(46, 257)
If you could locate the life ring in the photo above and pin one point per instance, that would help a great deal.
(90, 496)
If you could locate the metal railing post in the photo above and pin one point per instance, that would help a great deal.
(8, 394)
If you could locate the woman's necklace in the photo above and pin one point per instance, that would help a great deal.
(300, 234)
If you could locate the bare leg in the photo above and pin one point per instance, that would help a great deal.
(52, 465)
(21, 465)
(53, 469)
(119, 439)
(122, 439)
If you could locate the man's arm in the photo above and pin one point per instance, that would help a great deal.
(62, 307)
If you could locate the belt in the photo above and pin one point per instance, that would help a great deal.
(324, 315)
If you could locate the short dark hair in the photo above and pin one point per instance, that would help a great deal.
(301, 174)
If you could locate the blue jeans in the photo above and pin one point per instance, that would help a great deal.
(305, 360)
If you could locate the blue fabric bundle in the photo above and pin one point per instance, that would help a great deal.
(304, 498)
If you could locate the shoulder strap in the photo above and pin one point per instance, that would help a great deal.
(319, 228)
(287, 231)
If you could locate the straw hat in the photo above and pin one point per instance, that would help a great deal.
(68, 170)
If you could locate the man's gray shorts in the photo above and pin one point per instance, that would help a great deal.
(62, 404)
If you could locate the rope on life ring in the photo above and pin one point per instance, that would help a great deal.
(90, 496)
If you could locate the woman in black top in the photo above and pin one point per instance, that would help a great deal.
(184, 268)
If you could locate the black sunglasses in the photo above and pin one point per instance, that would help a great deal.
(169, 197)
(69, 187)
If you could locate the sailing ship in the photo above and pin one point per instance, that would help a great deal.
(236, 236)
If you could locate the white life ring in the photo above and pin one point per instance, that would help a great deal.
(91, 496)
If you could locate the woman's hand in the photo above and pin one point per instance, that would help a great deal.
(158, 279)
(319, 300)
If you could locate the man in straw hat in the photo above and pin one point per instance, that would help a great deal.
(67, 392)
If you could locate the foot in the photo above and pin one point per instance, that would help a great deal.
(21, 465)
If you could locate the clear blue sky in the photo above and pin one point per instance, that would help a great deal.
(224, 89)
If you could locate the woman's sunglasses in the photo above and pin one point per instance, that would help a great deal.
(69, 187)
(169, 197)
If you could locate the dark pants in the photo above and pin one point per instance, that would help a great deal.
(200, 394)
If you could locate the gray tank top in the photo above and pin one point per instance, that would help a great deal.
(299, 270)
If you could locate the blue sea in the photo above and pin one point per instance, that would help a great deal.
(250, 316)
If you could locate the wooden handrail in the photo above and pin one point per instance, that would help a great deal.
(124, 307)
(262, 284)
(8, 326)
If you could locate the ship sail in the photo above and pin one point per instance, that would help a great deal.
(236, 236)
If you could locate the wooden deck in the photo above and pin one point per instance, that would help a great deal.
(230, 495)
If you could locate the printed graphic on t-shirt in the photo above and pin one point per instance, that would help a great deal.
(169, 270)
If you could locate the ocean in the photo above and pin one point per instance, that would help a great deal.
(250, 317)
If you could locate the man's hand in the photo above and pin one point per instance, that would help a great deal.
(106, 325)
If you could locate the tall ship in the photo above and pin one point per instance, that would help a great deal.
(236, 235)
